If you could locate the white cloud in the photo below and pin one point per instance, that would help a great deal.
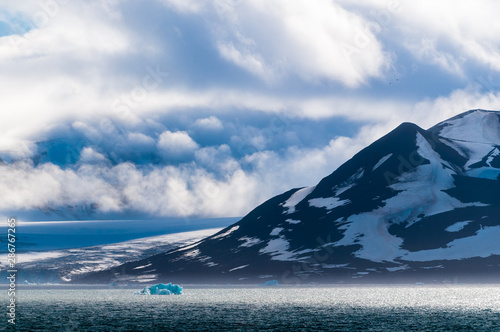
(90, 133)
(84, 45)
(217, 159)
(250, 61)
(14, 148)
(163, 191)
(210, 123)
(140, 140)
(426, 51)
(89, 155)
(26, 187)
(82, 49)
(185, 6)
(447, 32)
(315, 41)
(176, 144)
(459, 23)
(63, 68)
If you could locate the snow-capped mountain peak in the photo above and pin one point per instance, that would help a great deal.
(415, 202)
(478, 126)
(475, 135)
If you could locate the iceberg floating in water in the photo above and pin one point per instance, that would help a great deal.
(161, 289)
(270, 283)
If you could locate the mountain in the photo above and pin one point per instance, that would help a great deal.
(416, 205)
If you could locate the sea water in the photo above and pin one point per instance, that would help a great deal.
(339, 308)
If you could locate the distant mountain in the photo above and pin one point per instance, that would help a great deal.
(416, 205)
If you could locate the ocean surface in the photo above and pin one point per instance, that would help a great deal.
(339, 308)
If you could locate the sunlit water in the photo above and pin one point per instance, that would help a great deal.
(375, 308)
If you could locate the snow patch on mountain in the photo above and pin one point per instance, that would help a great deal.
(239, 267)
(371, 231)
(476, 152)
(397, 268)
(493, 155)
(381, 161)
(192, 253)
(475, 135)
(211, 264)
(455, 146)
(424, 188)
(349, 183)
(232, 229)
(276, 231)
(295, 199)
(146, 278)
(249, 241)
(457, 226)
(476, 126)
(481, 154)
(279, 249)
(207, 260)
(333, 266)
(186, 247)
(142, 267)
(329, 203)
(483, 244)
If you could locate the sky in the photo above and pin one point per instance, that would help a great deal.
(209, 108)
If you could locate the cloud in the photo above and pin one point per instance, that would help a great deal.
(426, 51)
(447, 33)
(252, 62)
(13, 148)
(185, 6)
(89, 156)
(90, 51)
(176, 144)
(140, 140)
(456, 27)
(185, 190)
(89, 132)
(74, 47)
(178, 107)
(216, 158)
(315, 42)
(48, 186)
(210, 123)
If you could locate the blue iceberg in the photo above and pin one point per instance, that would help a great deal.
(161, 289)
(270, 283)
